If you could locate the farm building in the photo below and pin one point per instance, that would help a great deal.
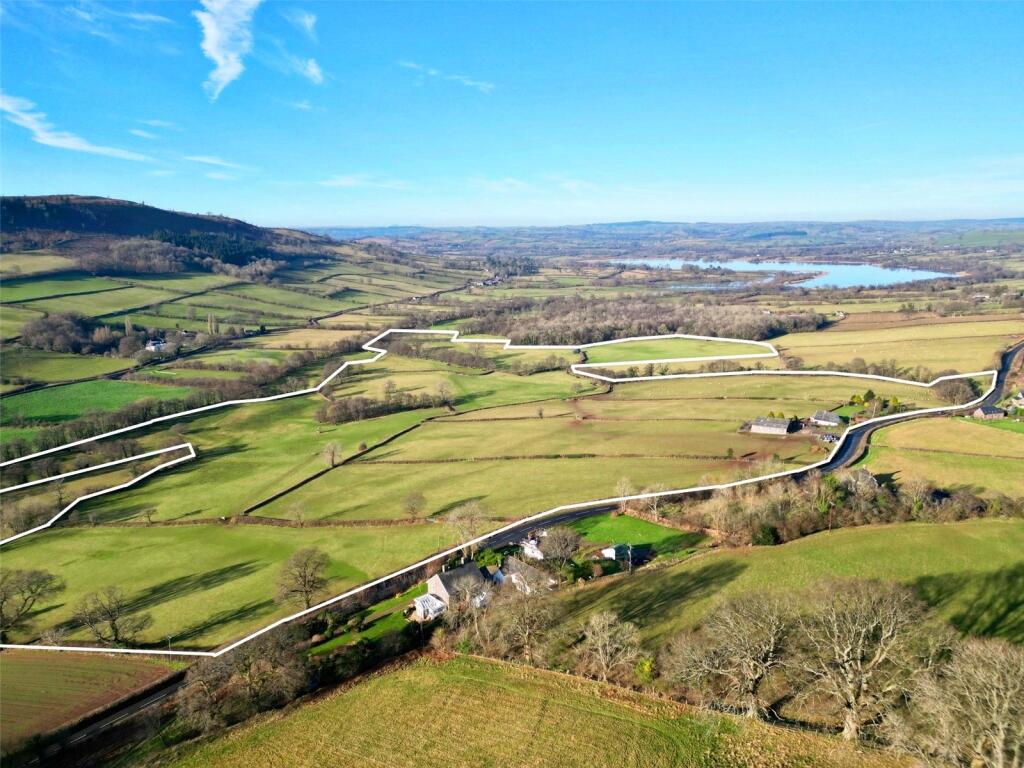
(615, 552)
(155, 345)
(531, 548)
(826, 419)
(446, 585)
(427, 607)
(764, 425)
(988, 413)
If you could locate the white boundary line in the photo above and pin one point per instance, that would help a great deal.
(580, 369)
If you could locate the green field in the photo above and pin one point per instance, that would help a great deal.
(29, 289)
(12, 319)
(44, 691)
(55, 404)
(472, 712)
(14, 265)
(667, 348)
(940, 345)
(972, 573)
(605, 530)
(207, 584)
(37, 365)
(496, 449)
(985, 456)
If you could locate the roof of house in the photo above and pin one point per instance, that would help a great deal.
(826, 416)
(764, 421)
(988, 410)
(450, 578)
(516, 567)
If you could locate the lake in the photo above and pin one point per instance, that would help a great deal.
(826, 275)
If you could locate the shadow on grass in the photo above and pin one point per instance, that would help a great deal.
(653, 598)
(990, 604)
(254, 609)
(172, 589)
(454, 505)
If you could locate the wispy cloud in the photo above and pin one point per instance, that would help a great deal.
(363, 180)
(227, 39)
(302, 20)
(308, 68)
(24, 113)
(145, 18)
(160, 124)
(217, 161)
(141, 133)
(481, 85)
(303, 105)
(220, 176)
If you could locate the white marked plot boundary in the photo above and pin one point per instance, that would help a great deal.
(579, 369)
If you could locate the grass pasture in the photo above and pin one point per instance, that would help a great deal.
(13, 265)
(657, 349)
(971, 573)
(940, 344)
(55, 404)
(13, 318)
(105, 302)
(444, 713)
(31, 289)
(44, 691)
(37, 365)
(951, 452)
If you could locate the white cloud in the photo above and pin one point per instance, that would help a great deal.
(302, 20)
(481, 85)
(227, 39)
(141, 133)
(160, 124)
(364, 180)
(23, 112)
(308, 68)
(220, 176)
(214, 160)
(146, 18)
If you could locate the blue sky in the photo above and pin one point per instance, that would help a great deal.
(316, 113)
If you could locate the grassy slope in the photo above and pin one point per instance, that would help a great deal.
(971, 572)
(208, 584)
(470, 712)
(64, 403)
(43, 691)
(667, 348)
(952, 452)
(939, 345)
(37, 365)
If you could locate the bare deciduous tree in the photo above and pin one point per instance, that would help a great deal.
(520, 620)
(466, 520)
(969, 711)
(738, 647)
(331, 453)
(302, 577)
(413, 504)
(858, 647)
(623, 488)
(108, 617)
(560, 544)
(20, 590)
(609, 644)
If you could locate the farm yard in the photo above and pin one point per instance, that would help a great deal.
(443, 711)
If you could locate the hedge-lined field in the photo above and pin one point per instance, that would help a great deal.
(952, 452)
(972, 573)
(466, 711)
(43, 691)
